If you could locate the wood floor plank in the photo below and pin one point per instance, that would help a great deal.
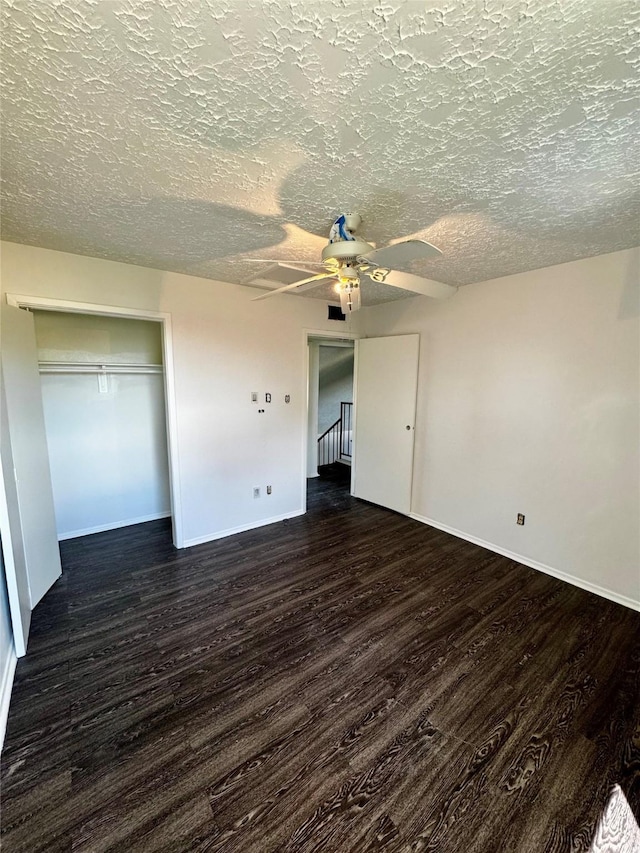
(349, 681)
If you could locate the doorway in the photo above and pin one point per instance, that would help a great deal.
(384, 410)
(330, 411)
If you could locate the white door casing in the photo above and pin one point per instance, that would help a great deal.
(44, 303)
(310, 391)
(385, 408)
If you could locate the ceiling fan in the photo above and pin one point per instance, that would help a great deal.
(347, 258)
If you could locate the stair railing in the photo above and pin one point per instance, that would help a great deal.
(335, 442)
(346, 416)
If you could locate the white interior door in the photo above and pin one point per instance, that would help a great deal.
(33, 519)
(13, 558)
(385, 407)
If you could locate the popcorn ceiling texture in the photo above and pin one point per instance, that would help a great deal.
(188, 135)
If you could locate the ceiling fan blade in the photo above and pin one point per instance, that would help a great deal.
(303, 284)
(408, 281)
(282, 263)
(402, 253)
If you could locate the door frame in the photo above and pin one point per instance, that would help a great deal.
(328, 335)
(71, 307)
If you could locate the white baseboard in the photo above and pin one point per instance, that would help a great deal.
(533, 564)
(114, 525)
(211, 537)
(6, 685)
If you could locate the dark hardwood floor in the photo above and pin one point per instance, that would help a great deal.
(350, 680)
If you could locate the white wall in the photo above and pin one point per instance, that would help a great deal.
(107, 451)
(528, 402)
(225, 347)
(335, 385)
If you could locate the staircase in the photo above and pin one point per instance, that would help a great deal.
(334, 445)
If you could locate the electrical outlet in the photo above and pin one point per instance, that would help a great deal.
(268, 490)
(520, 518)
(256, 491)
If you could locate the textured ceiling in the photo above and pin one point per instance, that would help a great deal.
(189, 134)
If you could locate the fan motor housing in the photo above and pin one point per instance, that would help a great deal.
(345, 250)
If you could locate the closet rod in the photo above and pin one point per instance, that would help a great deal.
(98, 367)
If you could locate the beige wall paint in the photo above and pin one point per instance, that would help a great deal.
(528, 402)
(225, 346)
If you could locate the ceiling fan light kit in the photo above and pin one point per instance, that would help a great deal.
(349, 298)
(347, 258)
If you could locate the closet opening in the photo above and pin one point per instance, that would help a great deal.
(103, 393)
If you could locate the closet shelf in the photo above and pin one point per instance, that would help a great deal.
(96, 367)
